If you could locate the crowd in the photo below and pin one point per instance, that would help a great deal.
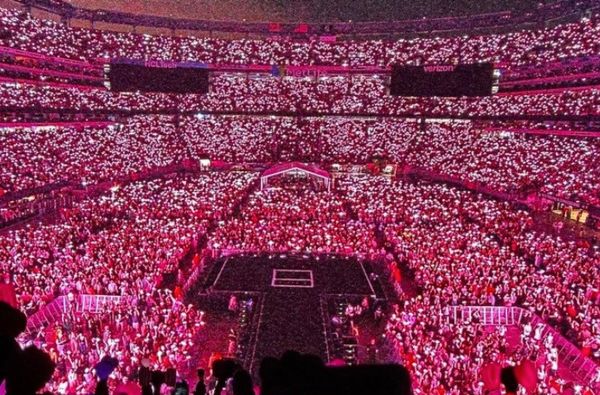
(20, 67)
(456, 359)
(263, 139)
(295, 216)
(563, 167)
(368, 95)
(560, 166)
(72, 98)
(234, 139)
(495, 157)
(547, 125)
(518, 48)
(485, 153)
(123, 244)
(117, 243)
(153, 329)
(583, 65)
(298, 96)
(35, 156)
(465, 249)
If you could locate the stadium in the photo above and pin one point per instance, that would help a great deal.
(278, 197)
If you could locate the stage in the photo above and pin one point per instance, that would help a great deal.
(289, 293)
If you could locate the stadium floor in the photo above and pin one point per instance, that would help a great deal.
(291, 289)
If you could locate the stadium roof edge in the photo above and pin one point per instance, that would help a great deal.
(557, 12)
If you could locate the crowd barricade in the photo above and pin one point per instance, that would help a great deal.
(99, 303)
(47, 314)
(54, 310)
(582, 367)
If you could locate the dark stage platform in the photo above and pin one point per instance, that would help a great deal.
(290, 290)
(330, 275)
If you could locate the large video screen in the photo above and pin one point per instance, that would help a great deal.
(443, 80)
(124, 77)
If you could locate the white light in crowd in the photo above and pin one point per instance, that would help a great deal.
(200, 116)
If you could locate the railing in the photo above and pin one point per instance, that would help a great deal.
(487, 315)
(14, 80)
(583, 368)
(48, 58)
(562, 67)
(547, 132)
(47, 314)
(14, 195)
(54, 311)
(550, 80)
(100, 303)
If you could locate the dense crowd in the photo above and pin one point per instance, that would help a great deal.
(299, 96)
(450, 237)
(73, 98)
(545, 125)
(118, 243)
(560, 166)
(462, 248)
(523, 47)
(33, 157)
(153, 328)
(234, 139)
(565, 167)
(21, 67)
(514, 162)
(454, 359)
(123, 244)
(239, 139)
(368, 95)
(295, 218)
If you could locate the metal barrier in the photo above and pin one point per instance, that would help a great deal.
(100, 303)
(47, 314)
(487, 315)
(582, 367)
(54, 311)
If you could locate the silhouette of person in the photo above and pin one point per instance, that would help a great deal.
(200, 386)
(25, 371)
(242, 383)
